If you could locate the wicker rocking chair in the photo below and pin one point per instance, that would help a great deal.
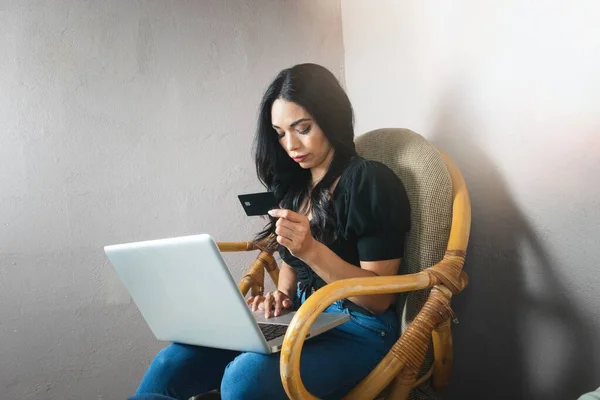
(419, 364)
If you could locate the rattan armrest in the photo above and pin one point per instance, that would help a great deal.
(236, 246)
(319, 301)
(253, 281)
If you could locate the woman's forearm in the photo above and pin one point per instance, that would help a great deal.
(330, 267)
(287, 281)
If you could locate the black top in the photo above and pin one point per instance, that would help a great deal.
(373, 216)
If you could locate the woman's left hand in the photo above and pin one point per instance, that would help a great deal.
(293, 232)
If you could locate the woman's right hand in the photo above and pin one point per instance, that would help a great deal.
(272, 301)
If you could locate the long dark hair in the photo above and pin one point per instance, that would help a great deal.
(317, 90)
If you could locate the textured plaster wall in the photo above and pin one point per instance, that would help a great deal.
(122, 121)
(511, 90)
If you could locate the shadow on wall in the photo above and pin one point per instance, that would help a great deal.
(497, 354)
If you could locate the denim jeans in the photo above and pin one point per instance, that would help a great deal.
(331, 363)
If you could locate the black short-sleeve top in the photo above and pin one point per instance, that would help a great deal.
(373, 217)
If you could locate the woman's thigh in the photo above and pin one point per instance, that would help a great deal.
(182, 371)
(331, 364)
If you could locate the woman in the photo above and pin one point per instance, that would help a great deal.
(341, 217)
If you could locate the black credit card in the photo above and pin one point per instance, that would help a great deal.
(258, 203)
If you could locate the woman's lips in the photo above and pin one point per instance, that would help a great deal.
(299, 159)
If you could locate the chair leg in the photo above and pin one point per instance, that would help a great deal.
(443, 356)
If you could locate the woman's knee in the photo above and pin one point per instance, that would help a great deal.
(182, 371)
(166, 369)
(252, 376)
(170, 358)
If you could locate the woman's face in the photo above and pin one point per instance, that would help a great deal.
(299, 135)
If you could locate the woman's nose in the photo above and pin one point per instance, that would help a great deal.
(291, 143)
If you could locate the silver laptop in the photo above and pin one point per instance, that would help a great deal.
(186, 294)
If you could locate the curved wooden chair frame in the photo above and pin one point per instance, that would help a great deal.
(399, 369)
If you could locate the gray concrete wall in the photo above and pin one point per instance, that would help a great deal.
(122, 121)
(511, 90)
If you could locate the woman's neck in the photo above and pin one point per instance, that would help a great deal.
(320, 170)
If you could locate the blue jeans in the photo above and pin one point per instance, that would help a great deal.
(331, 363)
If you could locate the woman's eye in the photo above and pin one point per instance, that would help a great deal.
(305, 130)
(280, 135)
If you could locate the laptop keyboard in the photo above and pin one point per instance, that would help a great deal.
(272, 331)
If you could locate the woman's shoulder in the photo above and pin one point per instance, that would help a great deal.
(374, 208)
(362, 171)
